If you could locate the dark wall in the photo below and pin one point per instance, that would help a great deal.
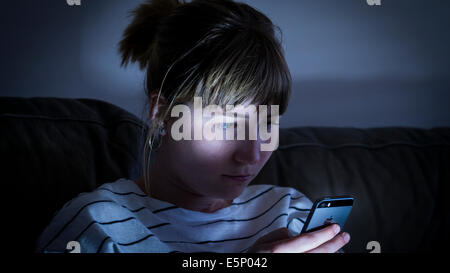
(352, 64)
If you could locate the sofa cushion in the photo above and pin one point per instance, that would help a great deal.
(53, 149)
(398, 176)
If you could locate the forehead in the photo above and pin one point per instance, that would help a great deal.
(240, 110)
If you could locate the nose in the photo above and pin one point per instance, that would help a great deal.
(248, 152)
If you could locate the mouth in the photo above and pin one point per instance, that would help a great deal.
(239, 178)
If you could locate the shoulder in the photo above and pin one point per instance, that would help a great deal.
(116, 196)
(82, 215)
(275, 206)
(266, 193)
(273, 199)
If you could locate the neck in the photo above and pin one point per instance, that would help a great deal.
(169, 190)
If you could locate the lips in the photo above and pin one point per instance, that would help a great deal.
(239, 178)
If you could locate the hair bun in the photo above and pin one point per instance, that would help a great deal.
(138, 38)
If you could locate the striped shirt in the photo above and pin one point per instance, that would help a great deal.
(119, 217)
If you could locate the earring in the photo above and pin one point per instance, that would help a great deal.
(152, 141)
(162, 131)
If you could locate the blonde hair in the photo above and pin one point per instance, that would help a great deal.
(223, 51)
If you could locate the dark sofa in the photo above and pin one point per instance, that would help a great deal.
(54, 148)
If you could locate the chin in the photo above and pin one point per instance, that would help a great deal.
(232, 192)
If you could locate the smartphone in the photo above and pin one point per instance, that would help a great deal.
(328, 210)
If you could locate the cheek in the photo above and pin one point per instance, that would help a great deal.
(264, 157)
(202, 155)
(211, 153)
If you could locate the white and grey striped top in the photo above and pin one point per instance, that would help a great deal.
(119, 217)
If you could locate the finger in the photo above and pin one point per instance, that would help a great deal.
(276, 235)
(307, 241)
(333, 245)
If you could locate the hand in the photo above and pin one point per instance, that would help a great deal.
(325, 240)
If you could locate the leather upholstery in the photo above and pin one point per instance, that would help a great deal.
(52, 149)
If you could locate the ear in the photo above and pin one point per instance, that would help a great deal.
(156, 109)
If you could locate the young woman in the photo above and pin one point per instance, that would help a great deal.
(194, 194)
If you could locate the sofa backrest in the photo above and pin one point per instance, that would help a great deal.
(52, 149)
(398, 176)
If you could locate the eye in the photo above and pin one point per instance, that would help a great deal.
(226, 125)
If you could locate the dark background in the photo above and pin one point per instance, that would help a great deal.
(352, 64)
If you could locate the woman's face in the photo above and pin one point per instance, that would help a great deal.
(202, 167)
